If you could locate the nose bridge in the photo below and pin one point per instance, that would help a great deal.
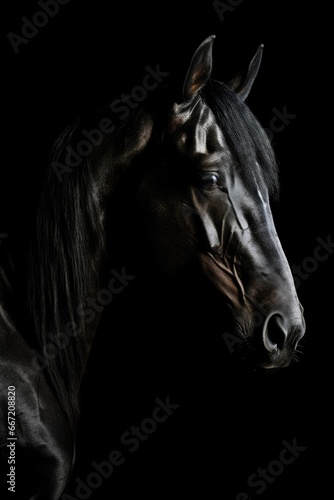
(271, 285)
(284, 290)
(279, 299)
(275, 296)
(271, 266)
(261, 256)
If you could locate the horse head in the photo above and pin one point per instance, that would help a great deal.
(206, 198)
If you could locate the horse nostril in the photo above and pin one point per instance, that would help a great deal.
(296, 335)
(274, 334)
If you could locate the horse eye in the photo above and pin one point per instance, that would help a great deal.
(209, 180)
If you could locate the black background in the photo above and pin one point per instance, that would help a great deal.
(229, 422)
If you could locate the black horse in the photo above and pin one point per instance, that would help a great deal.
(184, 179)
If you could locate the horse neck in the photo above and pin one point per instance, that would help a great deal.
(70, 279)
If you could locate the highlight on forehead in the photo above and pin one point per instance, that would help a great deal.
(247, 140)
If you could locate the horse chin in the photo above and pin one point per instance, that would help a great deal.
(274, 366)
(252, 350)
(264, 362)
(278, 361)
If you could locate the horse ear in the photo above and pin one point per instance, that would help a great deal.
(243, 86)
(199, 70)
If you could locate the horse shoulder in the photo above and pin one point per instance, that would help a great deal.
(44, 441)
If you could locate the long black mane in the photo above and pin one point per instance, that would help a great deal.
(66, 256)
(68, 251)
